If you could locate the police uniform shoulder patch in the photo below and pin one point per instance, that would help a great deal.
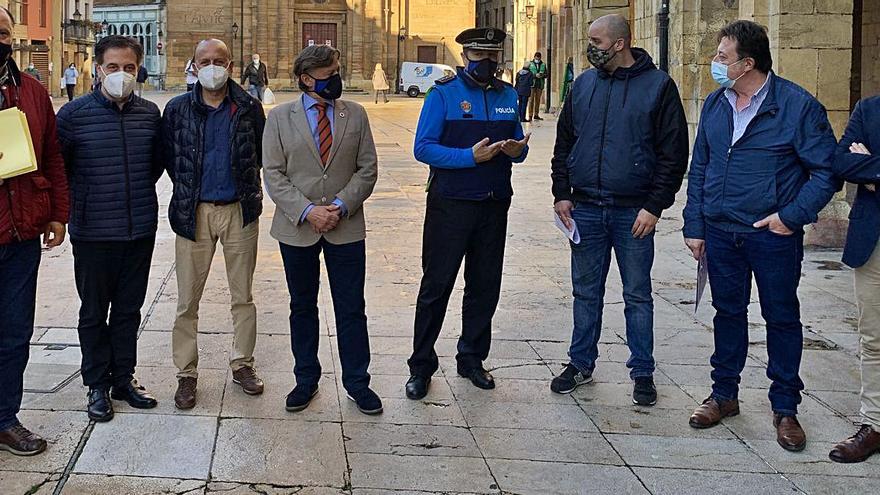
(445, 79)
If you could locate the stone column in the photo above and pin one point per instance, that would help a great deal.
(812, 46)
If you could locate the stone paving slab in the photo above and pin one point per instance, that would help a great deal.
(173, 446)
(435, 473)
(292, 453)
(564, 479)
(92, 484)
(701, 481)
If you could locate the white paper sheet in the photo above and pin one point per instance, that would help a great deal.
(572, 234)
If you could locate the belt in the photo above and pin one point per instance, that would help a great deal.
(220, 203)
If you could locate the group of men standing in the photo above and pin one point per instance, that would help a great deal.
(764, 163)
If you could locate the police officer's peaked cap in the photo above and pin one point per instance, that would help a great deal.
(482, 38)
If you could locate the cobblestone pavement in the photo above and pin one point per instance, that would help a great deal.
(519, 438)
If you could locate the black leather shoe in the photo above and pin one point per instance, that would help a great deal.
(100, 407)
(136, 395)
(300, 397)
(479, 377)
(417, 387)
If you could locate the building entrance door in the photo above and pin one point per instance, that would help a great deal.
(319, 33)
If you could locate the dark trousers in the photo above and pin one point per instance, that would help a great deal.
(19, 262)
(346, 268)
(523, 107)
(111, 278)
(475, 231)
(775, 262)
(70, 88)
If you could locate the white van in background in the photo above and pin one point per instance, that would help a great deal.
(416, 78)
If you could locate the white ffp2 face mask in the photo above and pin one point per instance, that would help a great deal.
(213, 77)
(118, 84)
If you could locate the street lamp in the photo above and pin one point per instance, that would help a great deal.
(401, 36)
(234, 37)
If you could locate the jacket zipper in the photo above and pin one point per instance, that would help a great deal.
(733, 145)
(602, 141)
(15, 233)
(488, 119)
(127, 173)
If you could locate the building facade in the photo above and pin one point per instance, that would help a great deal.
(545, 26)
(53, 34)
(144, 20)
(366, 32)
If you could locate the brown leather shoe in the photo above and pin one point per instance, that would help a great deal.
(858, 447)
(21, 441)
(789, 434)
(712, 411)
(247, 377)
(185, 397)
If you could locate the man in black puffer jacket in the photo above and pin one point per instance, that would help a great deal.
(212, 139)
(620, 157)
(109, 139)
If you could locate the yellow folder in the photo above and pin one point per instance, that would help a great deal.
(15, 144)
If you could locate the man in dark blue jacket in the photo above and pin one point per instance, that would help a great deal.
(856, 163)
(109, 141)
(212, 139)
(524, 81)
(761, 170)
(469, 134)
(620, 157)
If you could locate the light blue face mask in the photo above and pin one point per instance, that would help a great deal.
(719, 74)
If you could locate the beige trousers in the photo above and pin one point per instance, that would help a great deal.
(535, 102)
(867, 279)
(193, 259)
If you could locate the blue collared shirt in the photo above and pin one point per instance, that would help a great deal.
(311, 106)
(742, 118)
(217, 182)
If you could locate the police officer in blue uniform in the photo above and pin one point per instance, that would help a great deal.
(470, 135)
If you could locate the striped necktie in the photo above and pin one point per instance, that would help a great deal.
(325, 134)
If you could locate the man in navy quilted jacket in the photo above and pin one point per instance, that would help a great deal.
(109, 142)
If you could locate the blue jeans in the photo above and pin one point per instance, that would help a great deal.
(775, 262)
(346, 268)
(602, 228)
(19, 262)
(257, 91)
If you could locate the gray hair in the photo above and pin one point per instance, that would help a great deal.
(313, 57)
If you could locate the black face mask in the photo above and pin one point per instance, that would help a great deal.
(330, 88)
(482, 71)
(5, 52)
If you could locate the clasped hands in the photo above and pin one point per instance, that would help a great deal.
(324, 218)
(483, 151)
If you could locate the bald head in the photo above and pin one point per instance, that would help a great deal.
(613, 27)
(212, 45)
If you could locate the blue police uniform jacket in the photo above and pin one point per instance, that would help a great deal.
(457, 114)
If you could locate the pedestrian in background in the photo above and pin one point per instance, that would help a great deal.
(856, 162)
(539, 70)
(567, 80)
(191, 73)
(321, 167)
(380, 83)
(524, 82)
(142, 76)
(71, 75)
(470, 136)
(614, 171)
(34, 204)
(212, 139)
(33, 72)
(256, 75)
(110, 142)
(760, 172)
